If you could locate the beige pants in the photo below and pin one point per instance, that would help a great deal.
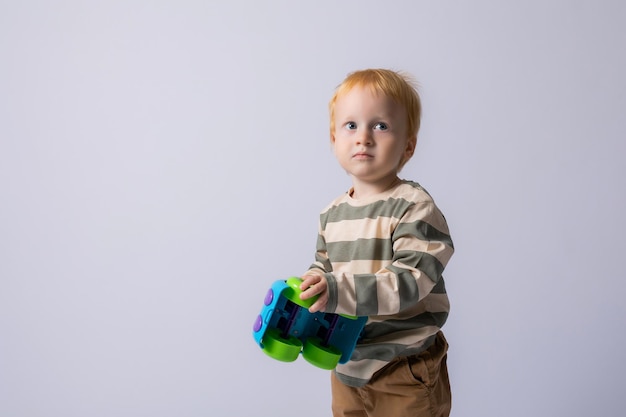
(408, 386)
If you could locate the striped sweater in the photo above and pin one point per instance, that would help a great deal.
(383, 257)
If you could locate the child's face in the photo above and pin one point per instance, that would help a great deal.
(370, 138)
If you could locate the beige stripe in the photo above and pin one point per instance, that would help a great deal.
(410, 243)
(381, 228)
(436, 303)
(365, 266)
(387, 293)
(351, 230)
(347, 294)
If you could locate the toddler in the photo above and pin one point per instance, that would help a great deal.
(381, 251)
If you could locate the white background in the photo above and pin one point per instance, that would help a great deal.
(163, 162)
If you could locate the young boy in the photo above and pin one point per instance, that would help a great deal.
(381, 251)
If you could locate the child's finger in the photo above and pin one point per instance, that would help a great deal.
(319, 305)
(308, 281)
(311, 291)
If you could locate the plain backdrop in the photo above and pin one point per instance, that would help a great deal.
(163, 162)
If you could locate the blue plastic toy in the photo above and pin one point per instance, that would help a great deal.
(285, 328)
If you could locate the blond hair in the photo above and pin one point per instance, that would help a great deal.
(397, 85)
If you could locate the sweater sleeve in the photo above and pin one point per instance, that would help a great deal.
(322, 264)
(421, 248)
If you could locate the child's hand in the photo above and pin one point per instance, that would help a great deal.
(311, 286)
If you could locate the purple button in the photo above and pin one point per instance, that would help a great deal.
(269, 297)
(258, 323)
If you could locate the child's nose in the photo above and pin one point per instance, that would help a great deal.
(364, 138)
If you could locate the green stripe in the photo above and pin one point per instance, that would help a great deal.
(321, 243)
(423, 261)
(408, 290)
(423, 231)
(360, 249)
(388, 351)
(366, 294)
(333, 295)
(392, 207)
(408, 257)
(320, 261)
(375, 330)
(431, 266)
(440, 287)
(351, 380)
(407, 287)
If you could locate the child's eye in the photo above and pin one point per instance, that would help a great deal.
(350, 125)
(381, 126)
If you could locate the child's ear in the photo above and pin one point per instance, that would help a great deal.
(410, 148)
